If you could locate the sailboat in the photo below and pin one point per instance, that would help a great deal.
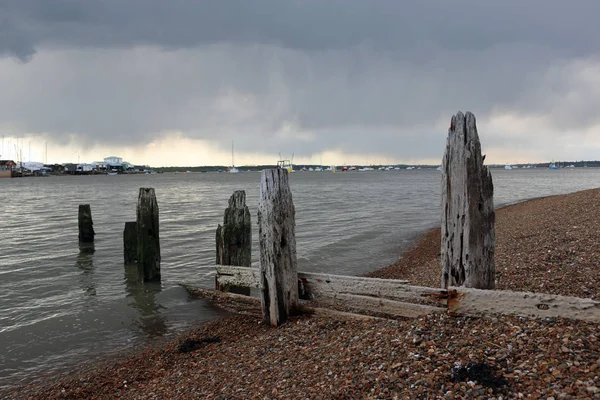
(320, 167)
(233, 169)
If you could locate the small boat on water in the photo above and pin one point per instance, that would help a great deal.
(286, 164)
(553, 166)
(507, 166)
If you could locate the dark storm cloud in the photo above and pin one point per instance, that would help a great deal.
(307, 75)
(300, 24)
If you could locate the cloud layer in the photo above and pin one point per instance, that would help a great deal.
(380, 79)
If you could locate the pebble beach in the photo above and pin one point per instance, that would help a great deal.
(548, 245)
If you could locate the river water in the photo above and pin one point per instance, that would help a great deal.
(59, 307)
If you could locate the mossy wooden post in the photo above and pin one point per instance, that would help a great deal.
(277, 240)
(86, 225)
(234, 239)
(130, 242)
(148, 246)
(468, 238)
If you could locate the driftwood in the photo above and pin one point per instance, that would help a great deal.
(242, 304)
(468, 238)
(316, 285)
(130, 242)
(395, 297)
(277, 242)
(85, 223)
(148, 245)
(234, 239)
(474, 302)
(381, 305)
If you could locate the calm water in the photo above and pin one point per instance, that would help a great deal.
(59, 306)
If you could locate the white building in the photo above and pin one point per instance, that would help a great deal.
(32, 165)
(99, 165)
(84, 167)
(113, 160)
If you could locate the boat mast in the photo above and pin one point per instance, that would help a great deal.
(232, 163)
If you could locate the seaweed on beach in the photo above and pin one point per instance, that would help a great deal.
(482, 373)
(189, 345)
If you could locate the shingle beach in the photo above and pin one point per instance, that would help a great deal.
(549, 245)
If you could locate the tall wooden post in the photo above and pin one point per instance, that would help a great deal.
(278, 264)
(86, 225)
(234, 238)
(130, 242)
(468, 217)
(148, 246)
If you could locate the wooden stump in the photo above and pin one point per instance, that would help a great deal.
(278, 264)
(86, 225)
(468, 238)
(148, 246)
(130, 242)
(234, 238)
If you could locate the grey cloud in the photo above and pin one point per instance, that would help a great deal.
(356, 75)
(300, 24)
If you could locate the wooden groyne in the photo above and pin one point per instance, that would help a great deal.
(467, 248)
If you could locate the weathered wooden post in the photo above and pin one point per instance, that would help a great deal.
(468, 217)
(277, 240)
(148, 246)
(234, 238)
(86, 225)
(130, 242)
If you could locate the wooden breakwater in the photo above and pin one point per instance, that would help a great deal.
(467, 248)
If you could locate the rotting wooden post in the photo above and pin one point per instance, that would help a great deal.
(148, 246)
(234, 239)
(468, 238)
(86, 225)
(130, 242)
(277, 240)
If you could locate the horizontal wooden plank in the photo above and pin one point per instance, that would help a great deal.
(251, 305)
(319, 284)
(477, 302)
(380, 305)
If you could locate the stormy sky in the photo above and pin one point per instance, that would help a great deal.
(351, 81)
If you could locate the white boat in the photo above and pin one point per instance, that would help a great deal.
(286, 164)
(507, 166)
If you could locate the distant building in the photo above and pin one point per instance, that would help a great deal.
(7, 165)
(84, 167)
(112, 160)
(97, 165)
